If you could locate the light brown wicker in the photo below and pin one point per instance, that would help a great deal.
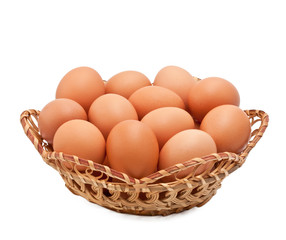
(147, 196)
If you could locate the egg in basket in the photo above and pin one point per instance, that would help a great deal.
(142, 148)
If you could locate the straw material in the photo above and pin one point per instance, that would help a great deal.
(150, 195)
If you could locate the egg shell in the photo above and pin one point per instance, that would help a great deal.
(167, 121)
(184, 146)
(83, 85)
(127, 82)
(176, 79)
(210, 93)
(82, 139)
(150, 98)
(132, 148)
(57, 112)
(110, 109)
(229, 126)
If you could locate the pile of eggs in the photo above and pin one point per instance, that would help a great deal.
(138, 127)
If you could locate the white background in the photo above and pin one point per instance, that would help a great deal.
(241, 41)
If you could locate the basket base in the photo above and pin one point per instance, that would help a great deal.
(139, 210)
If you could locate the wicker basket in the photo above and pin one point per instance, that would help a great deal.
(147, 196)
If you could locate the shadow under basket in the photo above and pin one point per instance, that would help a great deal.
(150, 195)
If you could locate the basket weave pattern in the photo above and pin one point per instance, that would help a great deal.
(147, 196)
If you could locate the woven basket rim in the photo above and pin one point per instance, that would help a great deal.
(145, 184)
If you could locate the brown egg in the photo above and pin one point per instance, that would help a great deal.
(150, 98)
(82, 139)
(166, 122)
(108, 110)
(132, 148)
(57, 112)
(127, 82)
(184, 146)
(83, 85)
(210, 93)
(176, 79)
(229, 126)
